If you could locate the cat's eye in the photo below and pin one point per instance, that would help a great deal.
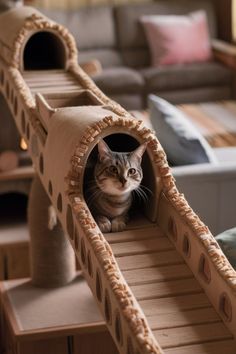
(132, 171)
(113, 169)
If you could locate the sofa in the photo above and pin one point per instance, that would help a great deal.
(114, 36)
(205, 173)
(210, 189)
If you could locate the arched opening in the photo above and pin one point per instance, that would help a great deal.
(44, 51)
(143, 202)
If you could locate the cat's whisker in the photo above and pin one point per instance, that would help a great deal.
(146, 189)
(93, 196)
(143, 194)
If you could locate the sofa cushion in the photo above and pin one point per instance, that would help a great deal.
(92, 27)
(107, 57)
(181, 141)
(119, 80)
(186, 76)
(131, 35)
(178, 39)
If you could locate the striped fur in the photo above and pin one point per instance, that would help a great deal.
(116, 176)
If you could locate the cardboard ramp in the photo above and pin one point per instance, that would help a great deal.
(163, 285)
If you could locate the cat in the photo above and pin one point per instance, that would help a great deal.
(116, 176)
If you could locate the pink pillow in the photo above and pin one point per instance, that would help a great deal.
(178, 39)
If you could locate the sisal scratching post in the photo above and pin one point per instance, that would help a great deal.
(52, 257)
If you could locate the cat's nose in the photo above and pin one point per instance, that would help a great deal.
(123, 181)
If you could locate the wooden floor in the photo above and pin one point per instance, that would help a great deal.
(178, 311)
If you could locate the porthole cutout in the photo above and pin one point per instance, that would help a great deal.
(186, 246)
(50, 189)
(204, 269)
(59, 202)
(130, 348)
(2, 77)
(34, 145)
(98, 287)
(23, 121)
(28, 131)
(107, 308)
(89, 264)
(15, 106)
(76, 240)
(172, 229)
(83, 252)
(225, 307)
(8, 90)
(118, 329)
(41, 164)
(69, 222)
(12, 96)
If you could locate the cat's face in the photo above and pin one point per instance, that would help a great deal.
(118, 173)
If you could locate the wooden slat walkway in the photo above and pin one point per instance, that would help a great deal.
(51, 81)
(178, 311)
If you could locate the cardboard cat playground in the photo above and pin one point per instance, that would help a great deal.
(166, 252)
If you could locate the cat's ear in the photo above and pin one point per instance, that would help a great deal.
(138, 153)
(103, 150)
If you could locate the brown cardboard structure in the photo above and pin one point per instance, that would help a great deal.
(150, 279)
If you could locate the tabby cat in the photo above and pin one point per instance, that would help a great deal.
(116, 176)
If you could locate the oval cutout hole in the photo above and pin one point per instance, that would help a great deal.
(204, 269)
(130, 348)
(8, 90)
(225, 307)
(28, 131)
(186, 246)
(83, 252)
(118, 330)
(23, 121)
(50, 189)
(69, 222)
(107, 307)
(59, 202)
(98, 287)
(2, 77)
(41, 164)
(172, 229)
(76, 240)
(15, 106)
(12, 96)
(89, 264)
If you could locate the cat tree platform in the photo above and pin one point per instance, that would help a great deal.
(60, 320)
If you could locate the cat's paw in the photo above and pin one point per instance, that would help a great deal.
(118, 224)
(52, 217)
(104, 223)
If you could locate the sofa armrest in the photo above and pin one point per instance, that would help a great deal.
(211, 192)
(224, 52)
